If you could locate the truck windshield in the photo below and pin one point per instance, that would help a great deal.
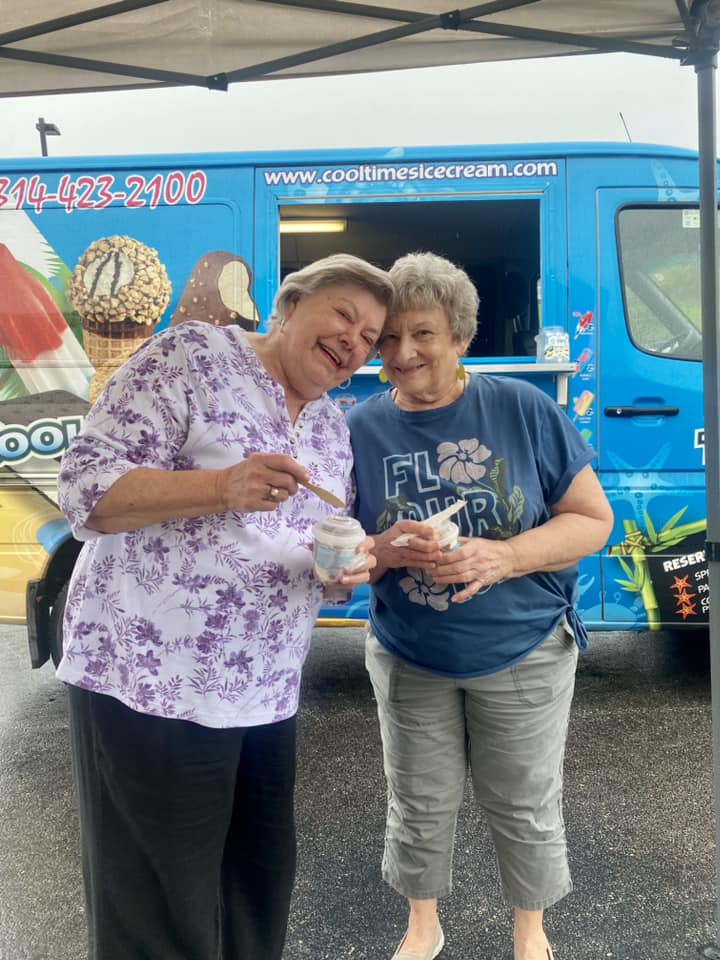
(659, 251)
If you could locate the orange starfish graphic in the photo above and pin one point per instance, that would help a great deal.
(681, 583)
(685, 597)
(688, 610)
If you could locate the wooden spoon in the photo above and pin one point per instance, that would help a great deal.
(324, 494)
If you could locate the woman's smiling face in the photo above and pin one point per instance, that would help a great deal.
(328, 335)
(420, 357)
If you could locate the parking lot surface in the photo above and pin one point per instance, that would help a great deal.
(638, 808)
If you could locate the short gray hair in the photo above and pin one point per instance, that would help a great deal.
(339, 268)
(424, 280)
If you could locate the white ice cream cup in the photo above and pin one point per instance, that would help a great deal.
(334, 547)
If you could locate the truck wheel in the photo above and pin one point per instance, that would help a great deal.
(56, 625)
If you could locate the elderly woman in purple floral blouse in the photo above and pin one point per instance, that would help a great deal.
(191, 609)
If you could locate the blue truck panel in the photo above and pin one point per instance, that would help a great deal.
(598, 240)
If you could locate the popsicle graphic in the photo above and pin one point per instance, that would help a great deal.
(35, 335)
(584, 358)
(584, 322)
(582, 404)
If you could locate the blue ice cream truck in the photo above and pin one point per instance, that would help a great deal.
(594, 247)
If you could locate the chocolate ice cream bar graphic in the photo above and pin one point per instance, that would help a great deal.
(218, 292)
(35, 335)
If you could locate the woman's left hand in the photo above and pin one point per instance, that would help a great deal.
(478, 563)
(359, 572)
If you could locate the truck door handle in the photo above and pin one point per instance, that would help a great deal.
(641, 411)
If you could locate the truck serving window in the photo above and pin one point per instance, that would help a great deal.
(659, 251)
(497, 241)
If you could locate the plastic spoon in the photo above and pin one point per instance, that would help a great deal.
(435, 520)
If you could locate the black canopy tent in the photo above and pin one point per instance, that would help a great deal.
(213, 43)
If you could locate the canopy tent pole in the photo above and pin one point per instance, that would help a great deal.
(710, 305)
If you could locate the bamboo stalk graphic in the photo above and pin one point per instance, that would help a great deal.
(637, 544)
(634, 546)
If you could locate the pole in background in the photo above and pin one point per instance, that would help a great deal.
(45, 130)
(625, 126)
(705, 62)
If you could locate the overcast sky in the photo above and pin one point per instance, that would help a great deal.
(565, 98)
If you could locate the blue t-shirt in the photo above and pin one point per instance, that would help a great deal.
(510, 452)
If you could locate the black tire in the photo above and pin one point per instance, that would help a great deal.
(56, 625)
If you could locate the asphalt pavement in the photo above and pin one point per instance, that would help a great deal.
(638, 808)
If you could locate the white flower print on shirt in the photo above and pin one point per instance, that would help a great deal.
(420, 588)
(462, 462)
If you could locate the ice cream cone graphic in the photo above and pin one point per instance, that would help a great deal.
(120, 289)
(107, 355)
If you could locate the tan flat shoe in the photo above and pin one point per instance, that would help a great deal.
(434, 950)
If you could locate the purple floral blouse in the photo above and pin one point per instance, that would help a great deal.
(206, 619)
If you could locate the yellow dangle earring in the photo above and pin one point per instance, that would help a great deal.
(382, 376)
(460, 372)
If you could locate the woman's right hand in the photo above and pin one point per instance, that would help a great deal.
(421, 551)
(261, 482)
(145, 495)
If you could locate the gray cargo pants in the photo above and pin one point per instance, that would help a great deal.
(511, 728)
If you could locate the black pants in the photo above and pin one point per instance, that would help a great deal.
(188, 834)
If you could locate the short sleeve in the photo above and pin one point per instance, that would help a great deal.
(561, 452)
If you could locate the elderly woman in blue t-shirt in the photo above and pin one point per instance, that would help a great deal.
(472, 652)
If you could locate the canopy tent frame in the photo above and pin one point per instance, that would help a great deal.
(414, 22)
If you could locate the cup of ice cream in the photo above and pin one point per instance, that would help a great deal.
(334, 547)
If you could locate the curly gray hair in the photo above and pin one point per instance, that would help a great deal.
(339, 268)
(424, 280)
